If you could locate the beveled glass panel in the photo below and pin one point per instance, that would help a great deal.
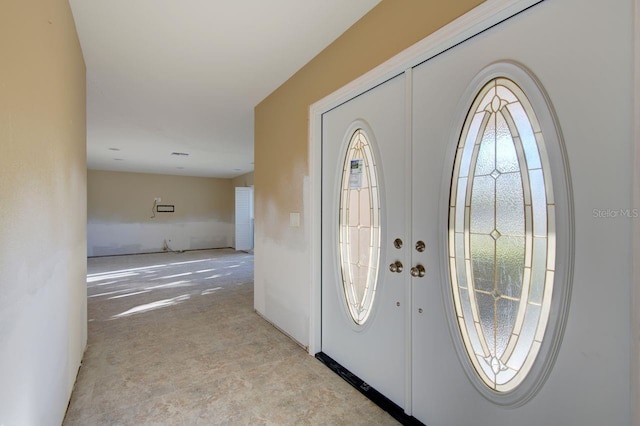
(460, 265)
(485, 365)
(506, 231)
(359, 227)
(506, 156)
(526, 337)
(471, 330)
(459, 225)
(487, 313)
(539, 203)
(365, 249)
(483, 202)
(365, 181)
(364, 212)
(473, 134)
(483, 257)
(505, 376)
(509, 204)
(526, 134)
(509, 265)
(506, 312)
(486, 162)
(353, 209)
(539, 270)
(487, 94)
(505, 93)
(353, 246)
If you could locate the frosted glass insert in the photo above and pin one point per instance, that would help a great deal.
(483, 202)
(486, 162)
(359, 227)
(538, 200)
(509, 204)
(501, 254)
(506, 311)
(506, 156)
(509, 266)
(483, 260)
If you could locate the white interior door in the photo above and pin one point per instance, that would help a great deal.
(587, 380)
(363, 204)
(244, 219)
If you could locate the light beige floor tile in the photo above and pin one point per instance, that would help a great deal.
(174, 343)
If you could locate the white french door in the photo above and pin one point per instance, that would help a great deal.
(411, 348)
(374, 350)
(556, 41)
(244, 219)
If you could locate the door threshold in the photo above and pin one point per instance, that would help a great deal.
(376, 397)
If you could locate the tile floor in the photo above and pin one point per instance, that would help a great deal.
(174, 340)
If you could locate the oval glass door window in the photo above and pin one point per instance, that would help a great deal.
(501, 235)
(359, 227)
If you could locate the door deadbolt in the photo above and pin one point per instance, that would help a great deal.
(420, 246)
(396, 267)
(418, 271)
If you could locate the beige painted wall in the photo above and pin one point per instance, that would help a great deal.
(243, 180)
(120, 210)
(282, 265)
(43, 214)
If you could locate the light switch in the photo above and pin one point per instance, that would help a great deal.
(294, 220)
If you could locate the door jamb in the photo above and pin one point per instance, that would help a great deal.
(635, 250)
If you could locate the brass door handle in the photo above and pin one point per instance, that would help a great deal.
(418, 271)
(396, 267)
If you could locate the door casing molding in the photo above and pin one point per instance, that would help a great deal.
(635, 252)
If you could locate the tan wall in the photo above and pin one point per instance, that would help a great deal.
(120, 210)
(243, 180)
(128, 197)
(281, 146)
(43, 214)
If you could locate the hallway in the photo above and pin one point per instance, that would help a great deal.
(173, 340)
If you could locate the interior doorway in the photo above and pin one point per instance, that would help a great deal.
(244, 219)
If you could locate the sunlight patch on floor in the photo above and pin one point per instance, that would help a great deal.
(152, 306)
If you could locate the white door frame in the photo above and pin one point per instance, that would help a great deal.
(635, 285)
(484, 16)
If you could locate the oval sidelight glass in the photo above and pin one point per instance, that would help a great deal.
(359, 227)
(501, 235)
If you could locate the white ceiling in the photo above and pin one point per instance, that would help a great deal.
(168, 76)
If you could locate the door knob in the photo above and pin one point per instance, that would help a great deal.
(396, 267)
(418, 271)
(420, 246)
